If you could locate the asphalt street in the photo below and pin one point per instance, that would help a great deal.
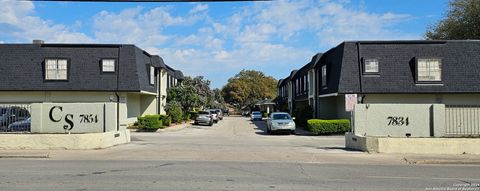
(234, 154)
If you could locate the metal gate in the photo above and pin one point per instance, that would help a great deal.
(462, 120)
(14, 117)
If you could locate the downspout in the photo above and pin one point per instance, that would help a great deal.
(116, 91)
(359, 67)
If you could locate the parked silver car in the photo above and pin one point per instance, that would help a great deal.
(204, 117)
(220, 114)
(280, 121)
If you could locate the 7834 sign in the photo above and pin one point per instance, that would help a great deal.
(397, 121)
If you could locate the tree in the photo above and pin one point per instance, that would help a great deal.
(185, 95)
(174, 110)
(462, 22)
(202, 89)
(249, 86)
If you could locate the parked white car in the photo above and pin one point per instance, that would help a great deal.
(256, 115)
(214, 115)
(280, 121)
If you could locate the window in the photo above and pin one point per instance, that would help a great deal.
(305, 83)
(297, 86)
(108, 65)
(152, 75)
(429, 70)
(56, 69)
(324, 75)
(370, 66)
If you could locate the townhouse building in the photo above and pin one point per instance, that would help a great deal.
(387, 72)
(86, 73)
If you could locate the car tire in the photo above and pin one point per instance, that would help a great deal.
(292, 132)
(210, 124)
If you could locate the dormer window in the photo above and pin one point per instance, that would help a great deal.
(324, 75)
(152, 75)
(370, 66)
(108, 65)
(56, 69)
(429, 70)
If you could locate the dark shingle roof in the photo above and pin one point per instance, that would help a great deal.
(460, 61)
(23, 67)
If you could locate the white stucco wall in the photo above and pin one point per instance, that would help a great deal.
(398, 120)
(163, 91)
(131, 104)
(447, 99)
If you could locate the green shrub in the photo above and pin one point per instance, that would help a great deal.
(334, 126)
(149, 122)
(264, 114)
(167, 121)
(174, 110)
(193, 114)
(302, 113)
(186, 116)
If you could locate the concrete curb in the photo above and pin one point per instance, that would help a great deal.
(446, 161)
(176, 127)
(24, 155)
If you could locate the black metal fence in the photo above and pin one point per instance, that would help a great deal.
(15, 118)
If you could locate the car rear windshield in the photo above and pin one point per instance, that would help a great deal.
(256, 113)
(203, 113)
(281, 116)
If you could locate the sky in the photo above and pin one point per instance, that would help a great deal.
(219, 39)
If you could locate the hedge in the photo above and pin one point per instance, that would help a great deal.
(149, 122)
(335, 126)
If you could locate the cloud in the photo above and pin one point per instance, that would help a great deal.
(199, 8)
(274, 36)
(16, 16)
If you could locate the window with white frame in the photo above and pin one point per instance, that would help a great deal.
(108, 65)
(152, 75)
(324, 75)
(296, 86)
(305, 83)
(429, 70)
(56, 69)
(370, 66)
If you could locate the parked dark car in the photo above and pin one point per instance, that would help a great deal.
(23, 125)
(9, 115)
(204, 117)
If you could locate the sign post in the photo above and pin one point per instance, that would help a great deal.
(350, 101)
